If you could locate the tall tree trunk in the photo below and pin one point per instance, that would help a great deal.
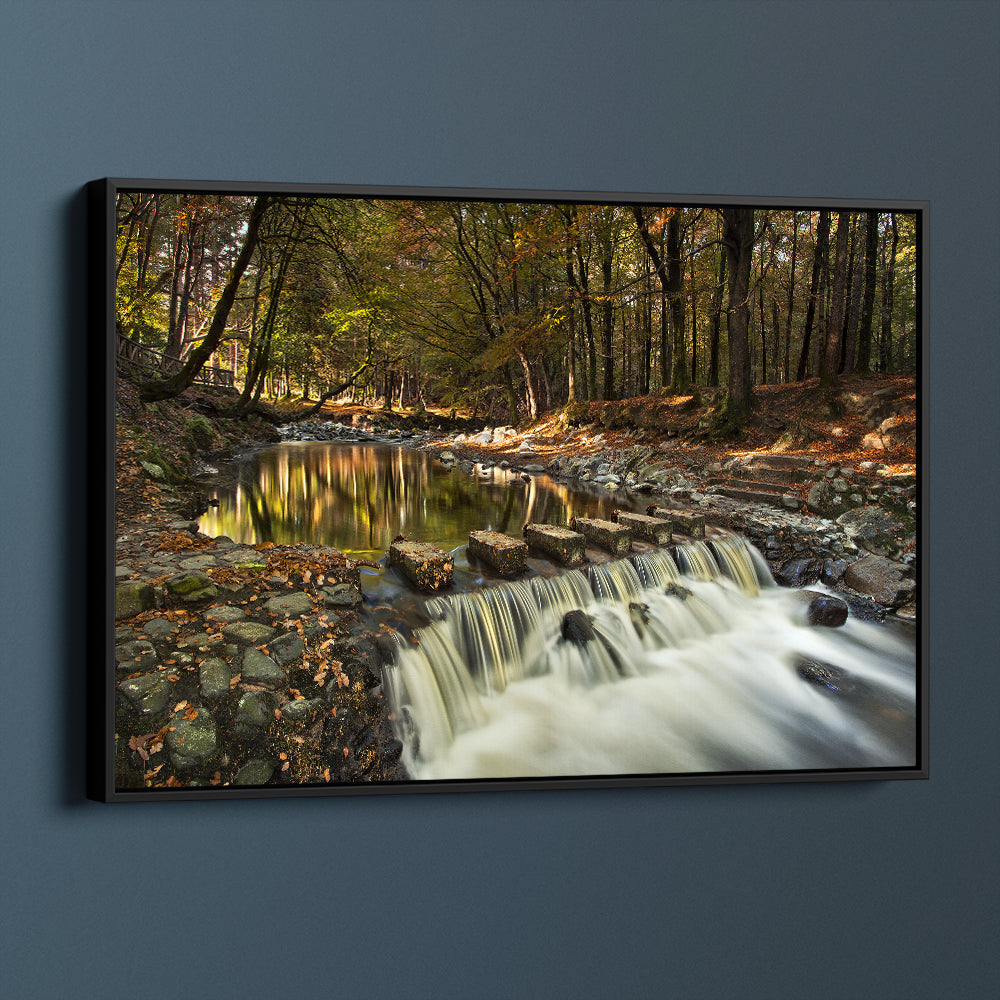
(694, 327)
(738, 224)
(889, 279)
(608, 322)
(713, 344)
(791, 294)
(776, 353)
(177, 383)
(863, 360)
(675, 283)
(855, 286)
(830, 365)
(816, 289)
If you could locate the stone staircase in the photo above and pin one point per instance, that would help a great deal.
(773, 480)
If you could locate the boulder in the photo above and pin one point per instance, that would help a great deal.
(883, 580)
(878, 530)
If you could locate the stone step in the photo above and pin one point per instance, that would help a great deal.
(505, 554)
(778, 461)
(764, 475)
(756, 496)
(739, 483)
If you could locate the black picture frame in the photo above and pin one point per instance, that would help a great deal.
(102, 198)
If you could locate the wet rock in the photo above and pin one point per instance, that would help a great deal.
(132, 598)
(254, 772)
(341, 595)
(799, 572)
(833, 570)
(256, 709)
(823, 609)
(213, 678)
(578, 627)
(286, 648)
(289, 605)
(301, 710)
(258, 668)
(247, 633)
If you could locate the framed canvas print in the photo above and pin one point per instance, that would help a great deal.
(422, 489)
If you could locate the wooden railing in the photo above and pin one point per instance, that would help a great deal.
(132, 352)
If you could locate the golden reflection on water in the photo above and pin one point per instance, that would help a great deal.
(357, 498)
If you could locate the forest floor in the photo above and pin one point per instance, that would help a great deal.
(834, 422)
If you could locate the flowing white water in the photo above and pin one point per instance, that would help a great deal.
(693, 667)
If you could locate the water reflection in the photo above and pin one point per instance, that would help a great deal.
(358, 497)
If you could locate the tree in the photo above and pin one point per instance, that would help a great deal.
(830, 364)
(173, 385)
(738, 239)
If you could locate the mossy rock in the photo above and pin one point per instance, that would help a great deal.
(198, 434)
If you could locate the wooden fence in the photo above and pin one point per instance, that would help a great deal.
(131, 352)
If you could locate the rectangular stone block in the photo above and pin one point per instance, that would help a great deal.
(684, 521)
(429, 567)
(505, 554)
(607, 535)
(650, 529)
(562, 544)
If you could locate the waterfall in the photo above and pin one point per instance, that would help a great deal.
(663, 662)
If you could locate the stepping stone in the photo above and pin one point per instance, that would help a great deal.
(612, 537)
(563, 544)
(505, 554)
(429, 567)
(650, 529)
(684, 521)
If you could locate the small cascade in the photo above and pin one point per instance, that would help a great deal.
(667, 663)
(696, 560)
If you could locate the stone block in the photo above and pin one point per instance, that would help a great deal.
(429, 567)
(683, 521)
(505, 554)
(607, 535)
(650, 529)
(563, 544)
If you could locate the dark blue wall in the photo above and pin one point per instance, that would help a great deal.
(840, 891)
